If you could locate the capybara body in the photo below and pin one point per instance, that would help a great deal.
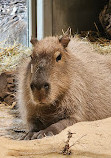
(63, 84)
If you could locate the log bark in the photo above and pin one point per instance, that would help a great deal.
(105, 19)
(7, 87)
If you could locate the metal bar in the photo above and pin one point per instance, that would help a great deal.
(40, 19)
(29, 20)
(32, 20)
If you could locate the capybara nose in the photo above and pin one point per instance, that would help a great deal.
(46, 86)
(39, 86)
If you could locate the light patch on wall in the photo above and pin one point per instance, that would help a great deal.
(40, 18)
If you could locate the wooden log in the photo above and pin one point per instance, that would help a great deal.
(105, 19)
(7, 87)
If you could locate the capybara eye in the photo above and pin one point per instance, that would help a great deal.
(59, 57)
(31, 56)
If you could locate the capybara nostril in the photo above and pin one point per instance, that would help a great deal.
(32, 86)
(46, 86)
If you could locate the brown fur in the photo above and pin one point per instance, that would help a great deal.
(80, 86)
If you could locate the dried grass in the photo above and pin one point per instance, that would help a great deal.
(12, 55)
(102, 48)
(101, 44)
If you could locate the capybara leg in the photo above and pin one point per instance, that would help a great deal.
(49, 131)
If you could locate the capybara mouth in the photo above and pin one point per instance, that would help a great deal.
(40, 99)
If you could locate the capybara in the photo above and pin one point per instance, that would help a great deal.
(64, 82)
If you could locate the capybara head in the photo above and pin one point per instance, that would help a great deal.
(48, 68)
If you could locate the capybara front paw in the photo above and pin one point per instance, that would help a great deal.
(27, 136)
(41, 134)
(37, 135)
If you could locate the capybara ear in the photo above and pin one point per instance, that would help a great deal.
(65, 38)
(33, 41)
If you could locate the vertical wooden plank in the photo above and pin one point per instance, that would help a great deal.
(48, 15)
(32, 20)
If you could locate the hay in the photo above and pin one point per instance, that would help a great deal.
(101, 44)
(102, 48)
(12, 55)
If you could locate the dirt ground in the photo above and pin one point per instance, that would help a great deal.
(89, 139)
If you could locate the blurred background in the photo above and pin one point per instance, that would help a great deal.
(19, 20)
